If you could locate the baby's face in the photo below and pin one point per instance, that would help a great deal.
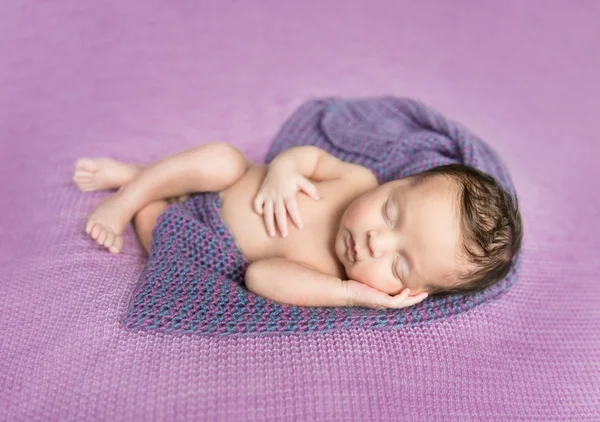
(406, 235)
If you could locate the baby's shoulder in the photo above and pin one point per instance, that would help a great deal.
(358, 175)
(351, 183)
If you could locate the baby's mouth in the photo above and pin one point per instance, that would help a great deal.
(351, 246)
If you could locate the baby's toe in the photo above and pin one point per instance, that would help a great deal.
(79, 177)
(96, 231)
(117, 245)
(83, 181)
(102, 236)
(110, 239)
(86, 165)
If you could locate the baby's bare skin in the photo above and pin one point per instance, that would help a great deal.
(96, 174)
(317, 253)
(313, 245)
(93, 174)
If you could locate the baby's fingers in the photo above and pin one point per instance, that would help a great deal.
(308, 187)
(268, 217)
(398, 301)
(281, 215)
(258, 203)
(402, 300)
(292, 207)
(413, 300)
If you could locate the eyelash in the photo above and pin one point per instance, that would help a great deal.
(385, 217)
(395, 265)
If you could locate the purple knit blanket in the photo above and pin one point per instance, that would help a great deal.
(193, 281)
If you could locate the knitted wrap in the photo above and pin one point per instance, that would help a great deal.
(194, 280)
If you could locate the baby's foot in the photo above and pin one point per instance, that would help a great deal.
(92, 174)
(109, 220)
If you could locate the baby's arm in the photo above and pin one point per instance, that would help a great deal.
(288, 282)
(310, 161)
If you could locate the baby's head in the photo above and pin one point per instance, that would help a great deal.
(449, 230)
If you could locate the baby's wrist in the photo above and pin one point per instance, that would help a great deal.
(346, 292)
(282, 170)
(360, 294)
(352, 289)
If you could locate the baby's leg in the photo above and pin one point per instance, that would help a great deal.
(94, 174)
(210, 167)
(145, 220)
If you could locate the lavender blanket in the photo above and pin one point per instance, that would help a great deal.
(193, 282)
(141, 79)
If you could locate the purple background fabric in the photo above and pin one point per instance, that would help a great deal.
(141, 79)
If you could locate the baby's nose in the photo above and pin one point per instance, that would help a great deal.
(379, 243)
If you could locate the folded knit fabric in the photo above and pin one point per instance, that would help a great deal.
(194, 280)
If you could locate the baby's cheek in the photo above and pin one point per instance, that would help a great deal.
(372, 276)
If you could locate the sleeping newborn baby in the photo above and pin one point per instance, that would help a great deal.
(350, 241)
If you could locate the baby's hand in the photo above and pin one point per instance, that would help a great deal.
(359, 294)
(278, 194)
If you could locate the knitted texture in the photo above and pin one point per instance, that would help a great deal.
(139, 80)
(193, 282)
(189, 277)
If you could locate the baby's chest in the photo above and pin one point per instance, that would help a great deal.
(314, 245)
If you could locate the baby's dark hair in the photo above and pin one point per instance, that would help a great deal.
(491, 226)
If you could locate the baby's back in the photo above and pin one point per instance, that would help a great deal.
(312, 246)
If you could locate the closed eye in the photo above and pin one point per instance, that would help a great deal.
(384, 212)
(394, 269)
